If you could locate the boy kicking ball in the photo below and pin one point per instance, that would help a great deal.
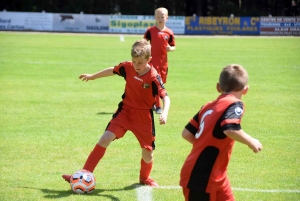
(134, 112)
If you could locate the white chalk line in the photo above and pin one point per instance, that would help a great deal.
(144, 193)
(244, 189)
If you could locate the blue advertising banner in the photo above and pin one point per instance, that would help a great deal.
(222, 25)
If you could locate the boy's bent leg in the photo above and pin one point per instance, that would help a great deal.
(99, 151)
(91, 161)
(146, 167)
(94, 158)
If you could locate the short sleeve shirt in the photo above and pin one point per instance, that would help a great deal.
(159, 40)
(140, 91)
(206, 165)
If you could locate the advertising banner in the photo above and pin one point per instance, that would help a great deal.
(222, 25)
(285, 26)
(80, 23)
(139, 23)
(176, 24)
(17, 21)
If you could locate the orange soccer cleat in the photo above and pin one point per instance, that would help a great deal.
(149, 182)
(67, 177)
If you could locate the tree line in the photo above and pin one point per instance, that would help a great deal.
(147, 7)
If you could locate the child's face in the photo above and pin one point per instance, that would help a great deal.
(161, 18)
(140, 64)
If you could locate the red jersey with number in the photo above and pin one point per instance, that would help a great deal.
(206, 166)
(159, 40)
(140, 91)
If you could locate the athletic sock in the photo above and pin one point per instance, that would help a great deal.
(94, 158)
(145, 169)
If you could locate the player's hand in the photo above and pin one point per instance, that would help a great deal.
(86, 77)
(168, 48)
(162, 119)
(255, 145)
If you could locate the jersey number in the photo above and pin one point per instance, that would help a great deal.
(201, 127)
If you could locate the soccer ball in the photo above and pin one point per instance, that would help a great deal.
(82, 181)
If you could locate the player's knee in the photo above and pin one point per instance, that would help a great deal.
(147, 156)
(106, 139)
(148, 160)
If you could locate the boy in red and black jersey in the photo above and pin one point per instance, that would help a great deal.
(212, 131)
(162, 41)
(134, 112)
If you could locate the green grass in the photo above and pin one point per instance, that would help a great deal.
(50, 120)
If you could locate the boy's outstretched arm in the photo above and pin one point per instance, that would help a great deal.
(242, 137)
(164, 115)
(104, 73)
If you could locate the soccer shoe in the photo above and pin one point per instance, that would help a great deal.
(66, 177)
(158, 110)
(149, 182)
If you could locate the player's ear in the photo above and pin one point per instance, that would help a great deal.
(218, 88)
(245, 90)
(149, 59)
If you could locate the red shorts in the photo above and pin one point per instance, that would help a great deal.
(223, 193)
(139, 122)
(163, 72)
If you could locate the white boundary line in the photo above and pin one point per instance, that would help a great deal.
(267, 191)
(144, 193)
(244, 189)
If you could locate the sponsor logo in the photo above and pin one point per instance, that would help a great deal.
(92, 27)
(66, 17)
(137, 78)
(146, 85)
(5, 21)
(238, 111)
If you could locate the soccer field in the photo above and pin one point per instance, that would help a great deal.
(50, 120)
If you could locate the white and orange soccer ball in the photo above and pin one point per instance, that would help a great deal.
(82, 182)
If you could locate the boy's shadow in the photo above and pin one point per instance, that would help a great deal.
(105, 113)
(56, 194)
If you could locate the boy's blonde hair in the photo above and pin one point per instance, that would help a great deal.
(141, 48)
(233, 78)
(163, 10)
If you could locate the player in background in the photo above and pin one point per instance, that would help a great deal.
(162, 41)
(212, 132)
(134, 112)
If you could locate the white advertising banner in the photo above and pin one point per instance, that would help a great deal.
(25, 21)
(80, 23)
(176, 24)
(133, 24)
(139, 23)
(39, 21)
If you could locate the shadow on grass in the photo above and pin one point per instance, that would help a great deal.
(105, 113)
(53, 194)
